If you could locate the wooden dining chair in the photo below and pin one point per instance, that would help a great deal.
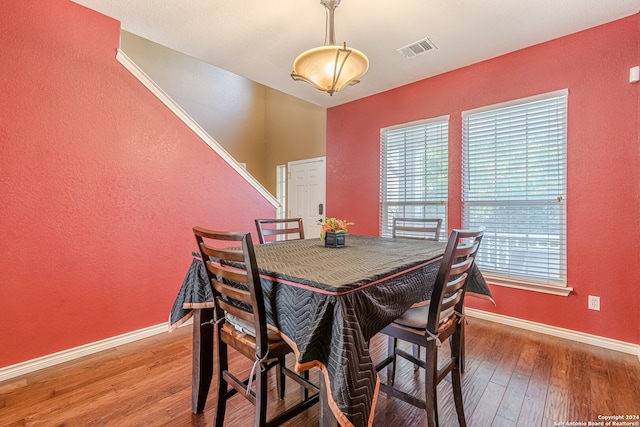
(417, 228)
(269, 230)
(240, 322)
(432, 325)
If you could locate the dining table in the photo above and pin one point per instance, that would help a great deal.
(327, 303)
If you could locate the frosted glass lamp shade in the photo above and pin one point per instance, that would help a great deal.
(330, 68)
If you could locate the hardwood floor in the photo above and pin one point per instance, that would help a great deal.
(513, 378)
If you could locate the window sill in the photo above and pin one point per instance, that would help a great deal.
(528, 286)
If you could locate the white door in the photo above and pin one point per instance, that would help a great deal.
(307, 193)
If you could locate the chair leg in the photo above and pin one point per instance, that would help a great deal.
(280, 378)
(391, 352)
(416, 354)
(457, 349)
(261, 397)
(303, 390)
(462, 340)
(223, 365)
(431, 373)
(461, 354)
(457, 395)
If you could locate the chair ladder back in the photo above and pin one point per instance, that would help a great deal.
(454, 292)
(435, 306)
(240, 323)
(452, 276)
(466, 249)
(224, 272)
(460, 267)
(469, 243)
(232, 292)
(235, 311)
(416, 228)
(281, 226)
(249, 304)
(226, 254)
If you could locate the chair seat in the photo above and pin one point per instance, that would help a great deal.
(416, 317)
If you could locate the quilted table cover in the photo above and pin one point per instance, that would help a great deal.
(329, 302)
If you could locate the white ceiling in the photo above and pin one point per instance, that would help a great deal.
(259, 39)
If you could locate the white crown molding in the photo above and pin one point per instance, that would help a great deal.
(133, 68)
(582, 337)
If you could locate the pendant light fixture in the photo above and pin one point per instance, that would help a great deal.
(330, 68)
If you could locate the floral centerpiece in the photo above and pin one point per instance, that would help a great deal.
(333, 231)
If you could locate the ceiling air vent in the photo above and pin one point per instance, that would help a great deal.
(417, 48)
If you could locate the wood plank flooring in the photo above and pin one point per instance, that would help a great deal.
(513, 378)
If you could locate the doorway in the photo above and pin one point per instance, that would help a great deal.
(307, 193)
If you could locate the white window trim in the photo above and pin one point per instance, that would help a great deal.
(415, 123)
(509, 282)
(546, 95)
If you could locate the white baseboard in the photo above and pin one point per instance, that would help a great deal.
(582, 337)
(77, 352)
(85, 350)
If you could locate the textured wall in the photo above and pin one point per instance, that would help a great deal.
(257, 125)
(229, 107)
(603, 165)
(100, 186)
(296, 130)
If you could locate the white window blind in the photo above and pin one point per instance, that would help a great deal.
(514, 184)
(414, 172)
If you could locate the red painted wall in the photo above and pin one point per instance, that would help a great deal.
(603, 165)
(99, 184)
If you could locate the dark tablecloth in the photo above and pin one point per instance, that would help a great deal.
(329, 302)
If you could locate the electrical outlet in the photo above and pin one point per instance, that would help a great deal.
(594, 303)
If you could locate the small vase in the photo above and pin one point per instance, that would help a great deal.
(334, 240)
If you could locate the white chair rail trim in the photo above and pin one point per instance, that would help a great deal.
(608, 343)
(133, 68)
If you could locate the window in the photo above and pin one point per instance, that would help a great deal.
(514, 184)
(281, 191)
(414, 175)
